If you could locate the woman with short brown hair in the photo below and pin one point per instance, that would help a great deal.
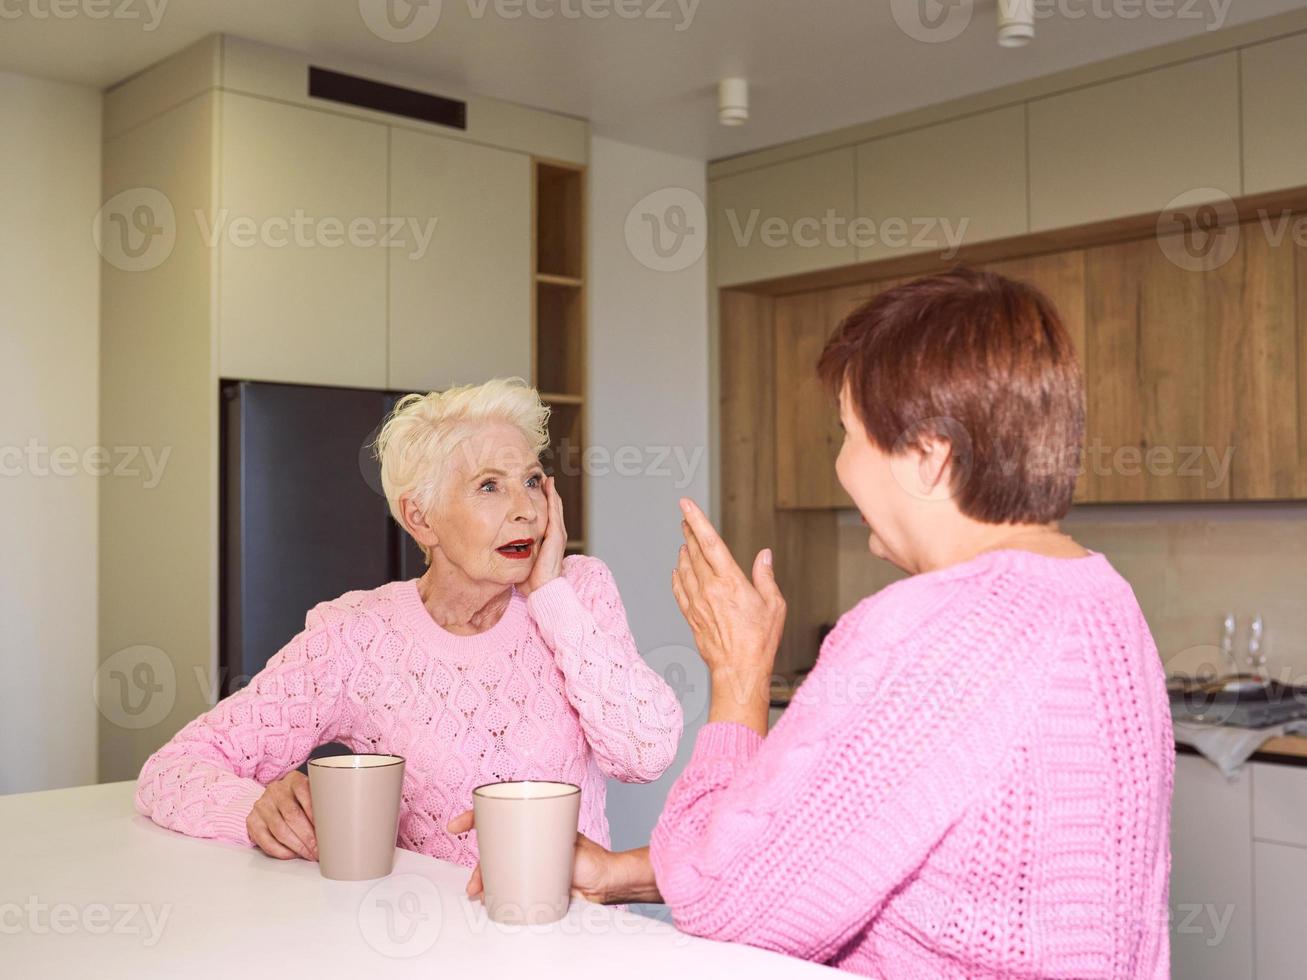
(975, 779)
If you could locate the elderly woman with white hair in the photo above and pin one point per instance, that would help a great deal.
(504, 661)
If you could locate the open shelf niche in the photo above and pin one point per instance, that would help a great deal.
(559, 313)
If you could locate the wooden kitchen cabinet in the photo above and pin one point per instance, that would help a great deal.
(802, 540)
(1193, 386)
(1194, 376)
(808, 432)
(304, 304)
(460, 308)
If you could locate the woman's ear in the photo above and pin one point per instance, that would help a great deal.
(415, 522)
(935, 467)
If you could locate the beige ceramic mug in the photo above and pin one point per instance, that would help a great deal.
(526, 836)
(356, 814)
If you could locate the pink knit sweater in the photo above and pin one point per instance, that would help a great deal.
(974, 781)
(555, 690)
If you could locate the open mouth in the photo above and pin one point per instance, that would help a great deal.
(517, 549)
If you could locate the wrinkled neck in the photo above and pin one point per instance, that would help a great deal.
(458, 603)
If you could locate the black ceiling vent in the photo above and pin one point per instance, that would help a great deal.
(367, 94)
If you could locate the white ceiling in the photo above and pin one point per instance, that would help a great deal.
(650, 79)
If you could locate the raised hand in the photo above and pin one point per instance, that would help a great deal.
(737, 623)
(553, 545)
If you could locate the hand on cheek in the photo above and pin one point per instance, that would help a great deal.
(548, 564)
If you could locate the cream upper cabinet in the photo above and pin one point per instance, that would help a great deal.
(936, 188)
(1274, 124)
(1133, 145)
(784, 219)
(300, 230)
(461, 283)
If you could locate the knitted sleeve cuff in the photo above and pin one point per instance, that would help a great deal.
(553, 605)
(227, 820)
(725, 740)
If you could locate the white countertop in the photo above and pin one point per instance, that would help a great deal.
(89, 887)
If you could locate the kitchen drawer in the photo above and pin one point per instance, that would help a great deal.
(1280, 803)
(1280, 872)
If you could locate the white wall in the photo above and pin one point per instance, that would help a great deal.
(648, 411)
(49, 347)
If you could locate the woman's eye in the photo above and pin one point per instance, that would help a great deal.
(488, 485)
(533, 483)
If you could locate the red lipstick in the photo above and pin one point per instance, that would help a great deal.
(517, 550)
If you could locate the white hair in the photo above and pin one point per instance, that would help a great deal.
(418, 438)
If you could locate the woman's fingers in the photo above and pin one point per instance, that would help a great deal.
(764, 577)
(690, 583)
(300, 788)
(589, 869)
(678, 593)
(683, 601)
(556, 510)
(292, 812)
(461, 824)
(549, 509)
(695, 552)
(764, 580)
(291, 831)
(265, 842)
(555, 528)
(280, 822)
(711, 546)
(275, 836)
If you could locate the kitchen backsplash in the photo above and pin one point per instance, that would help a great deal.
(1188, 564)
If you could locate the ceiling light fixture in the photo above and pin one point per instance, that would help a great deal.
(733, 101)
(1016, 23)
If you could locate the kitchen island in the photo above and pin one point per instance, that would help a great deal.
(92, 888)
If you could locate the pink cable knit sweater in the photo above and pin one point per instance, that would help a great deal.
(974, 781)
(555, 690)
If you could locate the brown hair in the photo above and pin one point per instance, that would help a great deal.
(983, 361)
